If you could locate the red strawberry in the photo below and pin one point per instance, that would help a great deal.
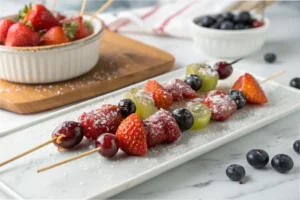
(39, 17)
(59, 16)
(161, 127)
(180, 90)
(251, 88)
(54, 35)
(131, 135)
(4, 26)
(152, 85)
(220, 104)
(21, 35)
(256, 24)
(81, 30)
(162, 99)
(155, 132)
(106, 119)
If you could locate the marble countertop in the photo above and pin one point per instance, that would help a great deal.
(204, 177)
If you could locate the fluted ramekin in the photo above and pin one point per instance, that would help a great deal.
(53, 63)
(228, 43)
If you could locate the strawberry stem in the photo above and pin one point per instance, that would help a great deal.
(71, 29)
(235, 61)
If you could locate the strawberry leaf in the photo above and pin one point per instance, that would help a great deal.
(70, 29)
(24, 11)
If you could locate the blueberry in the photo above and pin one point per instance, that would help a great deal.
(194, 81)
(239, 26)
(295, 83)
(296, 146)
(235, 172)
(243, 17)
(282, 163)
(228, 16)
(257, 158)
(226, 25)
(206, 21)
(184, 118)
(238, 97)
(270, 57)
(126, 107)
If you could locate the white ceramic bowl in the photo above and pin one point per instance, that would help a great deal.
(228, 43)
(48, 64)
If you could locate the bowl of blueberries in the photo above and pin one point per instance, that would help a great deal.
(230, 34)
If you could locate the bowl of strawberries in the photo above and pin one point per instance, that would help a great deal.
(38, 46)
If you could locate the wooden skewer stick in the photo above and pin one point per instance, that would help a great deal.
(53, 6)
(274, 76)
(104, 7)
(69, 159)
(235, 61)
(30, 150)
(83, 7)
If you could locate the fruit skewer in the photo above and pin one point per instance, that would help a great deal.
(66, 136)
(106, 145)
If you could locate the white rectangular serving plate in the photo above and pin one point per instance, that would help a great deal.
(96, 177)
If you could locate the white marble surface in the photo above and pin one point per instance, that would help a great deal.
(204, 177)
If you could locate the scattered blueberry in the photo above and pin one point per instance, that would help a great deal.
(226, 25)
(257, 158)
(295, 83)
(243, 17)
(270, 57)
(184, 118)
(194, 81)
(296, 146)
(206, 21)
(126, 107)
(238, 97)
(235, 172)
(282, 163)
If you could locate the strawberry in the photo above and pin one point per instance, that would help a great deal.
(152, 85)
(220, 105)
(161, 127)
(154, 131)
(77, 22)
(4, 26)
(161, 98)
(180, 90)
(59, 16)
(106, 119)
(131, 135)
(251, 88)
(21, 35)
(54, 35)
(38, 16)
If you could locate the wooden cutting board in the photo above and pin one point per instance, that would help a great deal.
(122, 62)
